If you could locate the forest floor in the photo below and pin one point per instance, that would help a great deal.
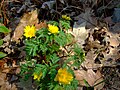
(95, 25)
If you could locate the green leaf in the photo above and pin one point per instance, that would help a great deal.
(74, 83)
(61, 39)
(41, 68)
(54, 47)
(1, 42)
(65, 24)
(43, 48)
(53, 23)
(58, 87)
(31, 47)
(2, 54)
(54, 58)
(3, 29)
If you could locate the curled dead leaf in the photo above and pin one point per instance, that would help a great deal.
(27, 19)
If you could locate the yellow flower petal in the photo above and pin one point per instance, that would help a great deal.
(53, 29)
(66, 17)
(29, 31)
(63, 76)
(37, 76)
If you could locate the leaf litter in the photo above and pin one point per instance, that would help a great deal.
(100, 43)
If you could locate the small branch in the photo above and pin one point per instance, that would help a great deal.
(71, 7)
(23, 6)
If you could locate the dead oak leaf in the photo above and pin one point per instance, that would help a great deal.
(80, 32)
(27, 19)
(90, 60)
(91, 77)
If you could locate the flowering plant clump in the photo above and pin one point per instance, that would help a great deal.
(49, 52)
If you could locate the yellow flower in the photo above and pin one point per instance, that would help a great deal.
(37, 76)
(53, 29)
(63, 76)
(29, 31)
(66, 17)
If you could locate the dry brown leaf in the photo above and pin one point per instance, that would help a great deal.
(112, 54)
(18, 70)
(2, 78)
(114, 41)
(80, 76)
(90, 60)
(2, 62)
(27, 19)
(8, 50)
(80, 33)
(99, 79)
(13, 87)
(5, 86)
(1, 81)
(7, 38)
(41, 25)
(6, 70)
(114, 38)
(111, 57)
(90, 76)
